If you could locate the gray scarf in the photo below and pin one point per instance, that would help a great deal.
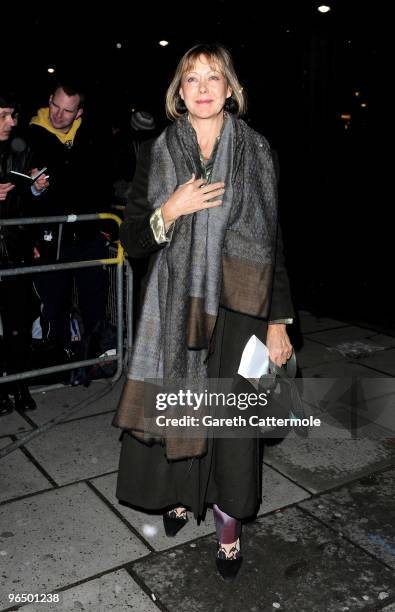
(223, 255)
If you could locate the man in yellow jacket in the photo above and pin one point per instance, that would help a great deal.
(61, 141)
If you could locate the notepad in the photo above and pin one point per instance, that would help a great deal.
(15, 176)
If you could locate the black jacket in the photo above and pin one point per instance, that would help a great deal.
(15, 241)
(78, 185)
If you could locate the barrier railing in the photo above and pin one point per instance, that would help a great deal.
(118, 261)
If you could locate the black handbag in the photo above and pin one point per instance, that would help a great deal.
(284, 401)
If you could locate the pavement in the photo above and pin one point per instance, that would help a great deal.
(323, 539)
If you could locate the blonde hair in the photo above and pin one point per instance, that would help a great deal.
(217, 55)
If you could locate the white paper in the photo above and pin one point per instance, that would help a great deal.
(254, 360)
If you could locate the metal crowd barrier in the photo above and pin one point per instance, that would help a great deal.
(124, 303)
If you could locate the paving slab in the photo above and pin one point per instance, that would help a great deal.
(374, 400)
(333, 425)
(116, 591)
(93, 400)
(150, 525)
(363, 406)
(78, 449)
(320, 464)
(60, 537)
(364, 511)
(342, 369)
(350, 333)
(13, 423)
(277, 492)
(18, 475)
(312, 354)
(310, 323)
(291, 562)
(383, 361)
(384, 340)
(344, 390)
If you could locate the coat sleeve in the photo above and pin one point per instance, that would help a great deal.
(281, 305)
(135, 232)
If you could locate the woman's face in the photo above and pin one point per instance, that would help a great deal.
(204, 89)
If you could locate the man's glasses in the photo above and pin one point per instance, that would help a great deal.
(4, 115)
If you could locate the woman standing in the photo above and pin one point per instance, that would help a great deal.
(217, 278)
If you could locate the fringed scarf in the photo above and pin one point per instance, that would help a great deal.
(219, 256)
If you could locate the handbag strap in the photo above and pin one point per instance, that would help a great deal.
(269, 380)
(287, 374)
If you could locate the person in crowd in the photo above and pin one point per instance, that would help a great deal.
(217, 277)
(63, 142)
(143, 129)
(125, 147)
(16, 200)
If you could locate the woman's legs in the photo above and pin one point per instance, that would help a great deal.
(228, 529)
(228, 559)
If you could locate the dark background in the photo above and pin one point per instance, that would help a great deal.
(301, 70)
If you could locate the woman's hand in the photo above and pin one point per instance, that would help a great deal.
(278, 343)
(191, 197)
(4, 189)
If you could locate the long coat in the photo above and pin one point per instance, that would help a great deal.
(229, 473)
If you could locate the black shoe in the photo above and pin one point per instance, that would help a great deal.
(80, 377)
(23, 399)
(173, 522)
(6, 405)
(229, 562)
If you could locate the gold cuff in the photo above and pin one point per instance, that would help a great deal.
(158, 227)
